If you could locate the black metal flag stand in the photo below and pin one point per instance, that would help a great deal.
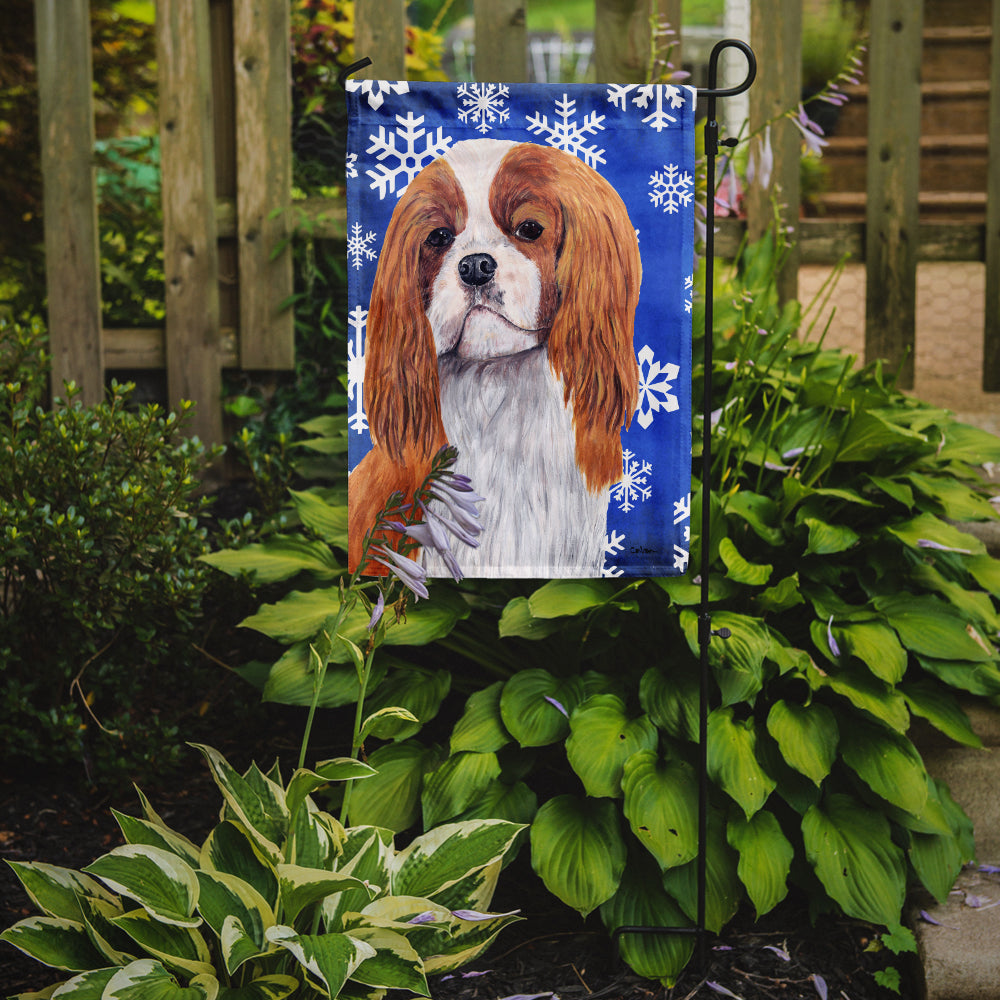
(705, 631)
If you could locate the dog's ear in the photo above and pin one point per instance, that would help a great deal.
(590, 344)
(401, 377)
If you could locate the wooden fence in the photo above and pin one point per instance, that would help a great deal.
(226, 160)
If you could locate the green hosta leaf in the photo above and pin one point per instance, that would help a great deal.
(723, 889)
(327, 520)
(438, 859)
(141, 831)
(415, 689)
(559, 598)
(301, 887)
(783, 595)
(765, 858)
(391, 798)
(641, 901)
(864, 691)
(456, 784)
(261, 809)
(54, 941)
(602, 738)
(291, 680)
(180, 948)
(893, 488)
(530, 706)
(758, 511)
(850, 847)
(941, 709)
(965, 443)
(578, 851)
(976, 678)
(279, 558)
(986, 572)
(481, 728)
(517, 620)
(807, 736)
(739, 569)
(661, 798)
(937, 859)
(230, 849)
(386, 723)
(671, 699)
(159, 881)
(738, 661)
(931, 628)
(330, 959)
(684, 593)
(928, 528)
(395, 964)
(304, 782)
(888, 763)
(56, 891)
(225, 897)
(732, 760)
(275, 987)
(827, 539)
(876, 646)
(516, 803)
(958, 502)
(870, 436)
(976, 605)
(147, 979)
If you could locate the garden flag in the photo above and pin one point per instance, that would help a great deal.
(520, 279)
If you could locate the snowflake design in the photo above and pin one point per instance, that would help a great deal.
(358, 246)
(358, 420)
(688, 292)
(682, 512)
(634, 485)
(613, 544)
(660, 95)
(409, 160)
(672, 188)
(377, 90)
(352, 165)
(483, 104)
(680, 559)
(655, 387)
(570, 135)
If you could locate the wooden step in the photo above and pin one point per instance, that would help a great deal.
(957, 206)
(956, 53)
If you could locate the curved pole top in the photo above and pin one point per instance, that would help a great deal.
(713, 69)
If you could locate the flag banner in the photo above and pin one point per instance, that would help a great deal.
(520, 263)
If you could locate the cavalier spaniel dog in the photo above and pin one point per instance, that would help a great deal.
(501, 322)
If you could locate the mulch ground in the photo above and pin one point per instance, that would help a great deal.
(550, 953)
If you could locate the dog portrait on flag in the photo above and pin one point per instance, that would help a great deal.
(515, 298)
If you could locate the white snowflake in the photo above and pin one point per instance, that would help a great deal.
(358, 420)
(680, 559)
(352, 165)
(634, 485)
(655, 383)
(682, 511)
(672, 188)
(613, 544)
(409, 160)
(358, 246)
(688, 292)
(569, 135)
(483, 104)
(377, 89)
(660, 95)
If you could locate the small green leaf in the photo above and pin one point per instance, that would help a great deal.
(927, 527)
(328, 521)
(279, 558)
(930, 627)
(559, 598)
(739, 569)
(807, 736)
(732, 760)
(765, 858)
(827, 539)
(535, 706)
(517, 620)
(481, 727)
(888, 763)
(936, 704)
(671, 699)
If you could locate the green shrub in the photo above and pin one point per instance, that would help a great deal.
(99, 542)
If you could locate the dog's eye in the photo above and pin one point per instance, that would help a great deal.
(529, 230)
(441, 237)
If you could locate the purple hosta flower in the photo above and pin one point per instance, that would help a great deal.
(820, 983)
(377, 612)
(558, 705)
(812, 134)
(760, 166)
(782, 953)
(989, 869)
(475, 915)
(427, 917)
(411, 574)
(456, 494)
(719, 988)
(728, 195)
(927, 543)
(834, 648)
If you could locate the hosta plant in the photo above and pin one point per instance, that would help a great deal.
(279, 900)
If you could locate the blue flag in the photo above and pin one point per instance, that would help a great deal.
(520, 279)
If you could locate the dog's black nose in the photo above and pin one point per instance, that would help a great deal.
(477, 268)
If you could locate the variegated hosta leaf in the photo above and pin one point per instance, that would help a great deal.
(116, 946)
(466, 941)
(328, 959)
(367, 853)
(86, 986)
(304, 782)
(765, 858)
(147, 979)
(602, 737)
(732, 760)
(225, 897)
(256, 801)
(475, 891)
(230, 849)
(315, 838)
(158, 880)
(54, 941)
(661, 799)
(141, 831)
(395, 964)
(177, 947)
(441, 857)
(300, 887)
(56, 891)
(642, 902)
(850, 847)
(481, 727)
(807, 736)
(456, 784)
(578, 851)
(274, 987)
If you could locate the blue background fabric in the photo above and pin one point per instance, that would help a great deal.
(641, 139)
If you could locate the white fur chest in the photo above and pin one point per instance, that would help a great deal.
(516, 442)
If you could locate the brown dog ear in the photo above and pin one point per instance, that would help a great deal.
(401, 377)
(590, 344)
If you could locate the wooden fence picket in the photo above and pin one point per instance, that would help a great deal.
(991, 332)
